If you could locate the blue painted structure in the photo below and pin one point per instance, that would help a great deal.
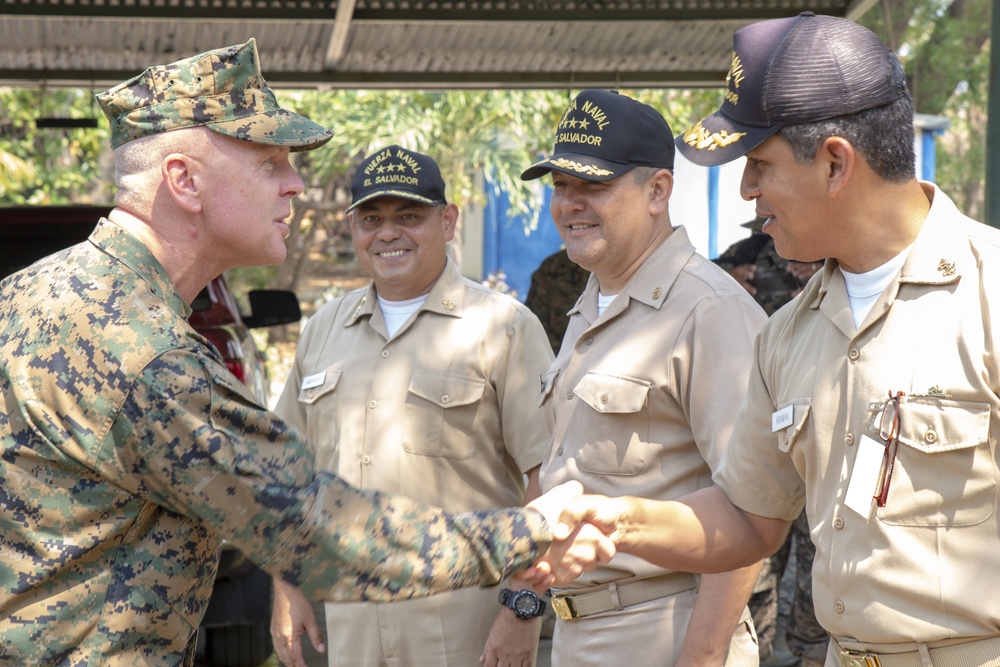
(508, 248)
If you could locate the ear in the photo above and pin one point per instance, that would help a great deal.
(661, 185)
(839, 160)
(450, 216)
(181, 180)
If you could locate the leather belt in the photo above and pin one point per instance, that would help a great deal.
(973, 653)
(620, 594)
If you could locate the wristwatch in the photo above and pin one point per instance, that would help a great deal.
(525, 604)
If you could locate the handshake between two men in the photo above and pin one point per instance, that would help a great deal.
(577, 546)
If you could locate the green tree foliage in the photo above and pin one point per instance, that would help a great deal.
(483, 134)
(51, 166)
(944, 46)
(473, 135)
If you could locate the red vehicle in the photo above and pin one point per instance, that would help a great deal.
(235, 631)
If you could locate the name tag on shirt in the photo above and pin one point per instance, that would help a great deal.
(782, 418)
(864, 477)
(314, 380)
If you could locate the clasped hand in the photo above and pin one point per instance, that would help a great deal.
(578, 545)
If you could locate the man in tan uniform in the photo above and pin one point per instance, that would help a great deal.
(422, 384)
(643, 391)
(874, 402)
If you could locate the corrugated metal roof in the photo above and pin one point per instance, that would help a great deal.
(393, 43)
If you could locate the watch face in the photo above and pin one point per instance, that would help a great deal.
(525, 604)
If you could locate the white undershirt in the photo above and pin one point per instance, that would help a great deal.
(864, 289)
(396, 313)
(603, 302)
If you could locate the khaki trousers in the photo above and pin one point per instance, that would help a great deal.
(644, 635)
(444, 630)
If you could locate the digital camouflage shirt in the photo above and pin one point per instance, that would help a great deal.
(775, 286)
(130, 452)
(556, 285)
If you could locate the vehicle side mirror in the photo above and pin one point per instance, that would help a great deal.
(271, 307)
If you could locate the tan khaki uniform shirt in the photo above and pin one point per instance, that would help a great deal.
(446, 412)
(926, 567)
(642, 399)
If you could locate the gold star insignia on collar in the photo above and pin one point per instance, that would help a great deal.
(448, 303)
(946, 267)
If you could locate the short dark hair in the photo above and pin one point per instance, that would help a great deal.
(642, 173)
(883, 135)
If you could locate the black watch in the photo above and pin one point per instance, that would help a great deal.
(525, 604)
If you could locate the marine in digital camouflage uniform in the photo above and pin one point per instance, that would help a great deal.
(130, 452)
(774, 286)
(556, 285)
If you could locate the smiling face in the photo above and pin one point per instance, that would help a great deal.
(401, 244)
(793, 198)
(610, 227)
(248, 201)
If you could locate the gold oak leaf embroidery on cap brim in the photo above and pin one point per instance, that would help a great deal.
(699, 138)
(573, 165)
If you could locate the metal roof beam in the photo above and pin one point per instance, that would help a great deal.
(180, 10)
(411, 80)
(341, 30)
(417, 15)
(420, 11)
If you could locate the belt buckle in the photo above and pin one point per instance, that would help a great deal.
(564, 607)
(850, 658)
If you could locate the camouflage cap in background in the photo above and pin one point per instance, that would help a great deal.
(222, 90)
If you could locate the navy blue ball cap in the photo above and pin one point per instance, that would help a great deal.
(603, 135)
(397, 172)
(790, 71)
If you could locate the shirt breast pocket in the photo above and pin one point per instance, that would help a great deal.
(616, 427)
(788, 436)
(945, 474)
(440, 414)
(319, 398)
(310, 393)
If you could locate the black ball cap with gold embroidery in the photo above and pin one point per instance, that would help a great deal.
(398, 172)
(789, 71)
(603, 135)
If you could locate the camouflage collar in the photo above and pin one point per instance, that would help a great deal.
(134, 254)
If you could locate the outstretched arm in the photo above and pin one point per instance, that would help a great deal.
(700, 532)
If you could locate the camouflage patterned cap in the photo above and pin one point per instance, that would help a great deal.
(222, 90)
